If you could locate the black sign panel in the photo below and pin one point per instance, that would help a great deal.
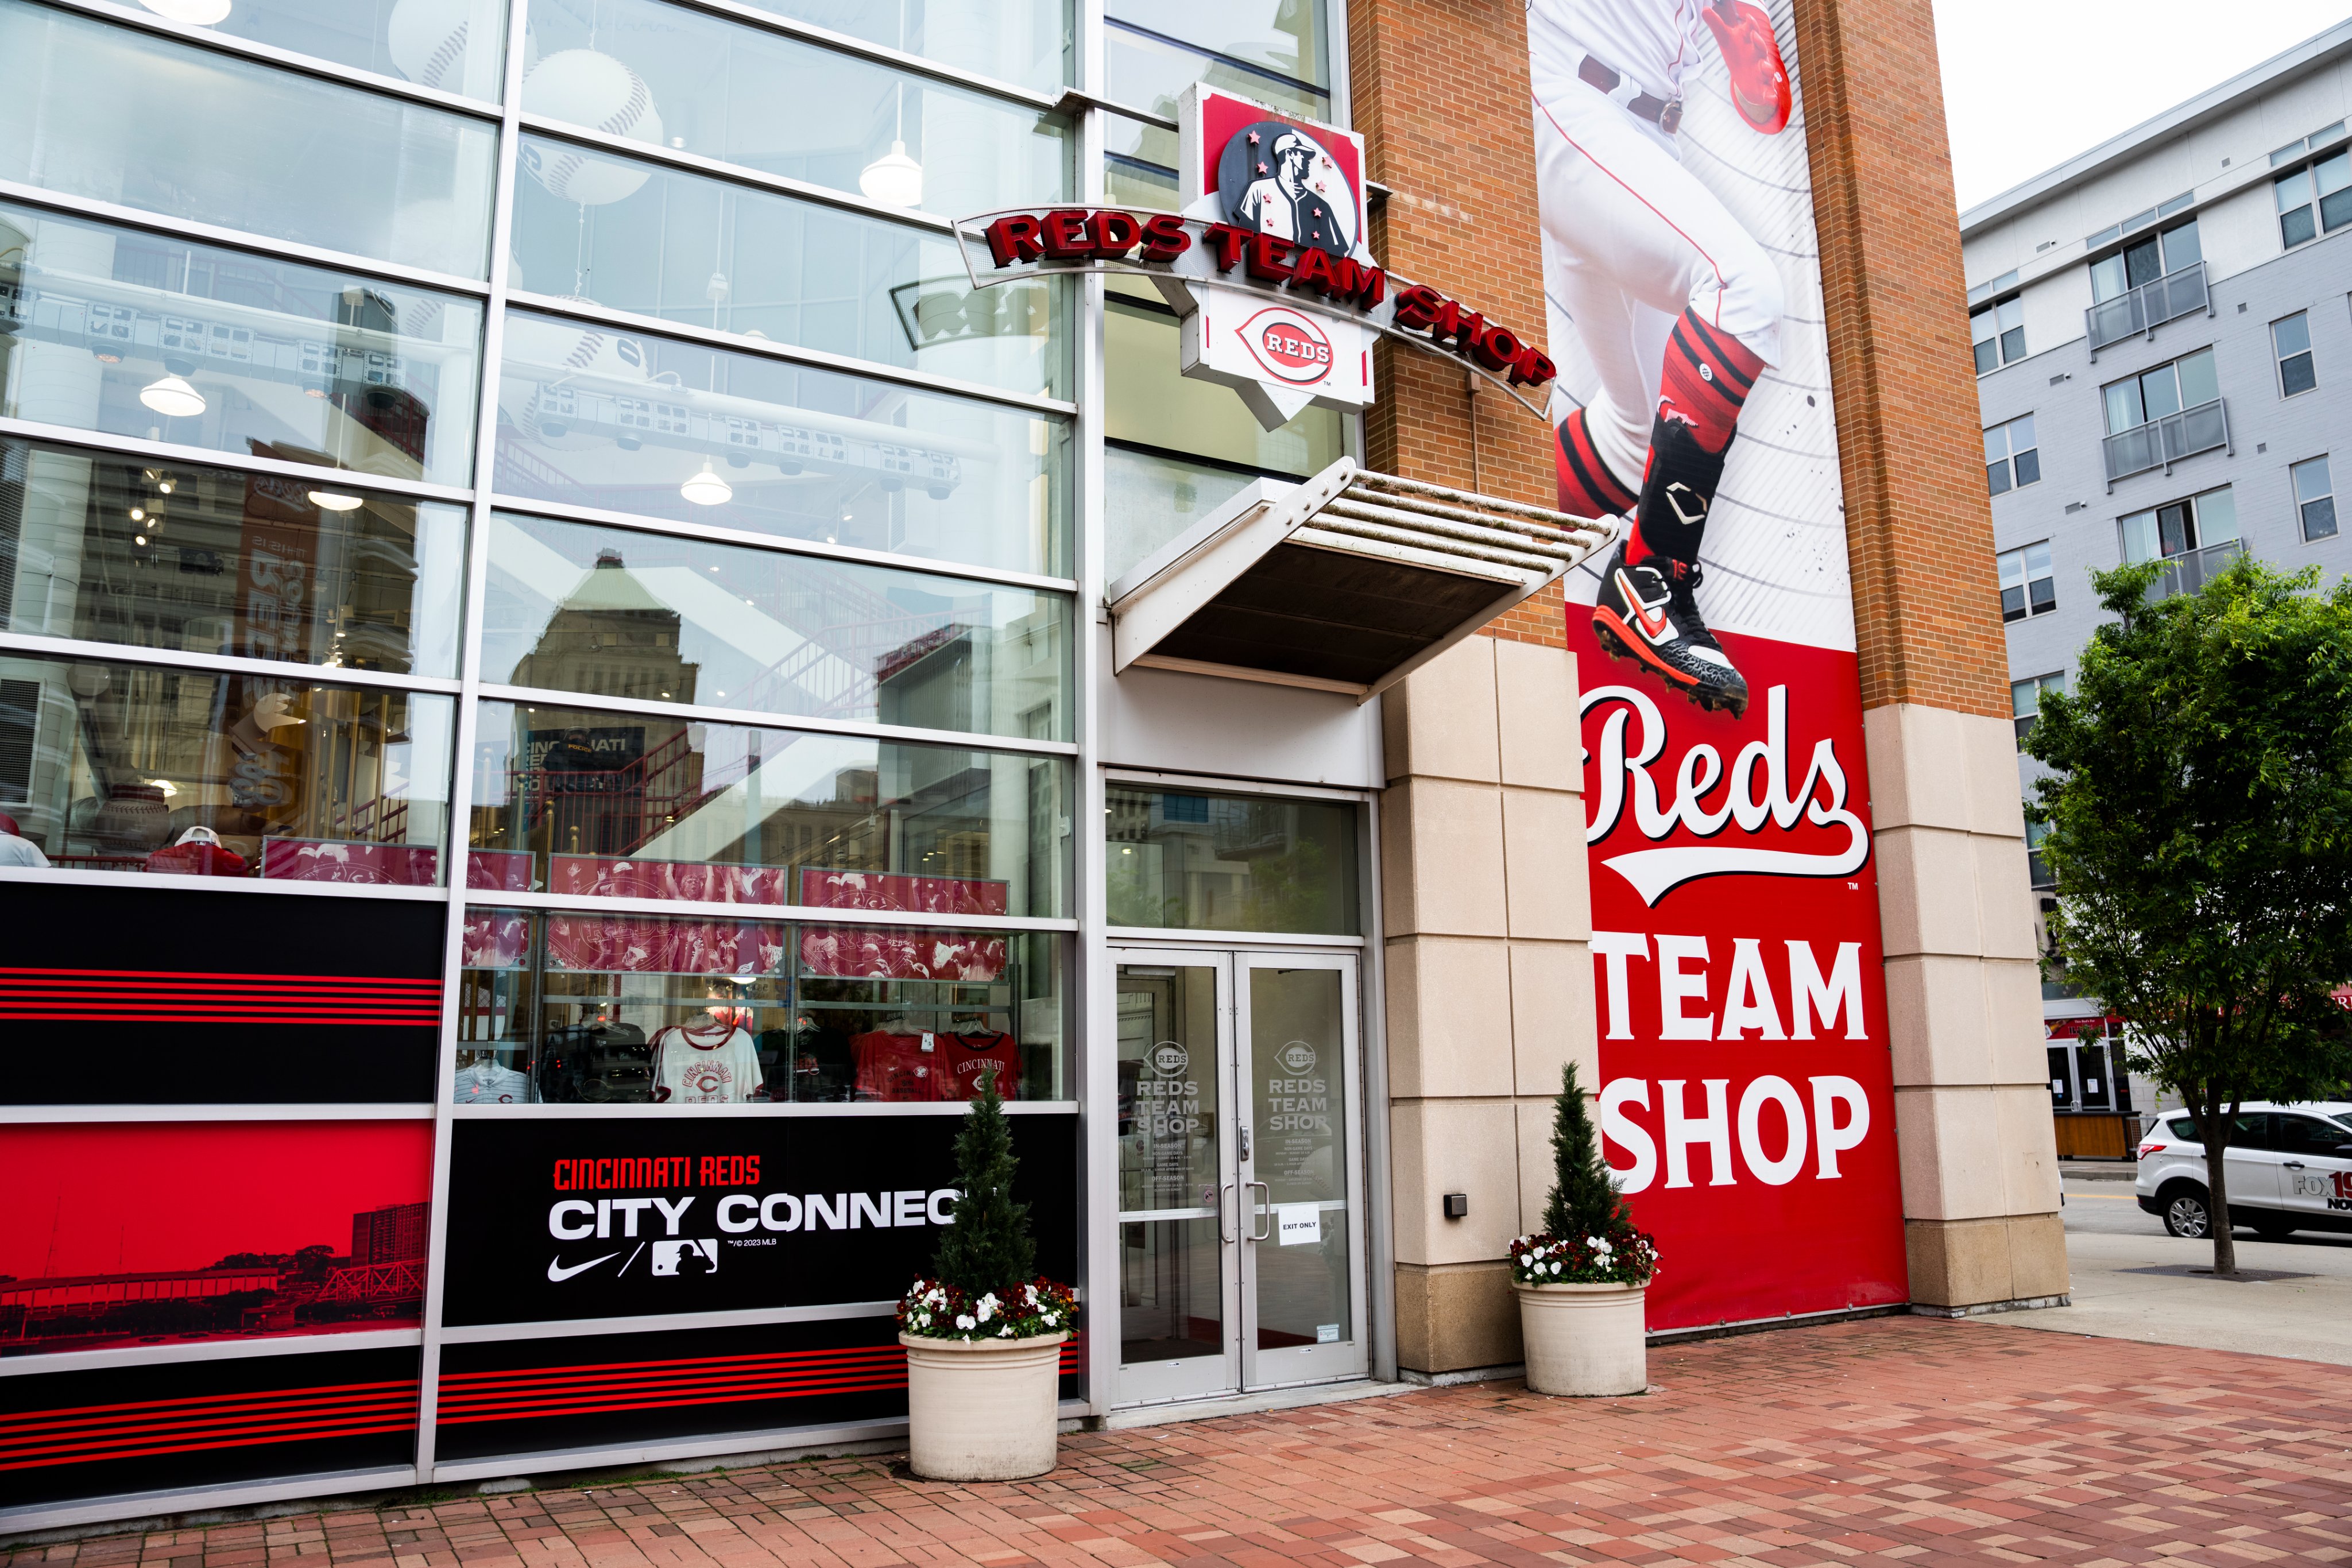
(195, 1424)
(181, 997)
(597, 1218)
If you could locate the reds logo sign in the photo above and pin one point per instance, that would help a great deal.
(1290, 346)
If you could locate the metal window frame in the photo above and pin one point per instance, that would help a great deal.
(164, 226)
(768, 348)
(645, 523)
(289, 60)
(212, 458)
(752, 718)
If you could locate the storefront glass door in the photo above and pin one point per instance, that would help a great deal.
(1240, 1213)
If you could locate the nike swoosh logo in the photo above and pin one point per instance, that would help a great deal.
(557, 1273)
(1652, 623)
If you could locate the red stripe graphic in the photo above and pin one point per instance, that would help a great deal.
(164, 995)
(469, 1397)
(87, 1434)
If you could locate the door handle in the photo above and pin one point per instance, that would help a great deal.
(1222, 1234)
(1255, 1234)
(2294, 1165)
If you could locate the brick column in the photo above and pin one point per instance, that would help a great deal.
(1980, 1167)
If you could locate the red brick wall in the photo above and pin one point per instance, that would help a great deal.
(1927, 602)
(1454, 143)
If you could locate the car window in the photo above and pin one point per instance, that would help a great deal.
(2309, 1135)
(2184, 1127)
(2254, 1131)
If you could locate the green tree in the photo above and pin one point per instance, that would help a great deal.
(2199, 828)
(1584, 1200)
(989, 1247)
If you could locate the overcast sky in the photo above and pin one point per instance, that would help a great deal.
(2030, 83)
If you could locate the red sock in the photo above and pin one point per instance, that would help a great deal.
(1707, 377)
(1587, 488)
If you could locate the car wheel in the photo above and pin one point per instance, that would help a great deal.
(2186, 1215)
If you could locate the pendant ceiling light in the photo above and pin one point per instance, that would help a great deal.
(706, 488)
(172, 397)
(894, 179)
(334, 501)
(195, 13)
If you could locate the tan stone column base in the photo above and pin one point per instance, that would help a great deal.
(1965, 1266)
(1453, 1317)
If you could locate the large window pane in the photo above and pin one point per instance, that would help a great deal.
(1286, 38)
(126, 768)
(1148, 402)
(1187, 860)
(611, 613)
(210, 561)
(676, 430)
(2199, 384)
(632, 806)
(133, 334)
(1150, 497)
(632, 1010)
(682, 78)
(1024, 42)
(1151, 73)
(698, 250)
(101, 112)
(456, 46)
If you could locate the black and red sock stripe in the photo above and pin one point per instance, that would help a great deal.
(1587, 487)
(1706, 379)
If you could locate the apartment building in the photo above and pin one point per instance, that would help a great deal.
(2163, 341)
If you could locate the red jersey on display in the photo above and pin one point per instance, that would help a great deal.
(896, 1066)
(716, 1065)
(963, 1058)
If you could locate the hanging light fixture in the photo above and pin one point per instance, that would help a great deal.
(706, 488)
(894, 179)
(195, 13)
(172, 397)
(334, 501)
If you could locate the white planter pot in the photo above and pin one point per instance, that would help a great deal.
(1584, 1340)
(981, 1409)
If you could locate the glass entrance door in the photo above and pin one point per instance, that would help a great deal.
(1240, 1226)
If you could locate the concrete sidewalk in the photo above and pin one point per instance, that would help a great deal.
(2132, 1280)
(1895, 1439)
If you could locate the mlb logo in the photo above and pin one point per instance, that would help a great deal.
(686, 1257)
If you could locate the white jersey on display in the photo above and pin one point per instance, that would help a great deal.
(490, 1084)
(1650, 43)
(718, 1065)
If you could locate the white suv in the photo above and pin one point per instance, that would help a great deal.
(2290, 1168)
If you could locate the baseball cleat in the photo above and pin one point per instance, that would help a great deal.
(1646, 613)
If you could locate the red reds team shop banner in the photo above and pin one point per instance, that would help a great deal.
(1746, 1095)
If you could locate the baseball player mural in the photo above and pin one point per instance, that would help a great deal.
(1746, 1096)
(1676, 306)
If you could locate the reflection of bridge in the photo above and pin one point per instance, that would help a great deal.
(375, 1282)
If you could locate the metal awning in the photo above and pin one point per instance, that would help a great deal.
(1346, 582)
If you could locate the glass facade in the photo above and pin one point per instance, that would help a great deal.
(539, 614)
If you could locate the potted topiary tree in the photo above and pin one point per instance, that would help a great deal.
(1582, 1282)
(984, 1337)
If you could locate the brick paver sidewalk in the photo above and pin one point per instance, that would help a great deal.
(1898, 1438)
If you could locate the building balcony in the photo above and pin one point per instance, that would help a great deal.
(2188, 571)
(2161, 442)
(2143, 310)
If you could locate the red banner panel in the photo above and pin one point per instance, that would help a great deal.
(153, 1232)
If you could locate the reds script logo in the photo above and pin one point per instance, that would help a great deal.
(1755, 797)
(1289, 345)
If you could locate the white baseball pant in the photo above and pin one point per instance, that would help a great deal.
(1633, 240)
